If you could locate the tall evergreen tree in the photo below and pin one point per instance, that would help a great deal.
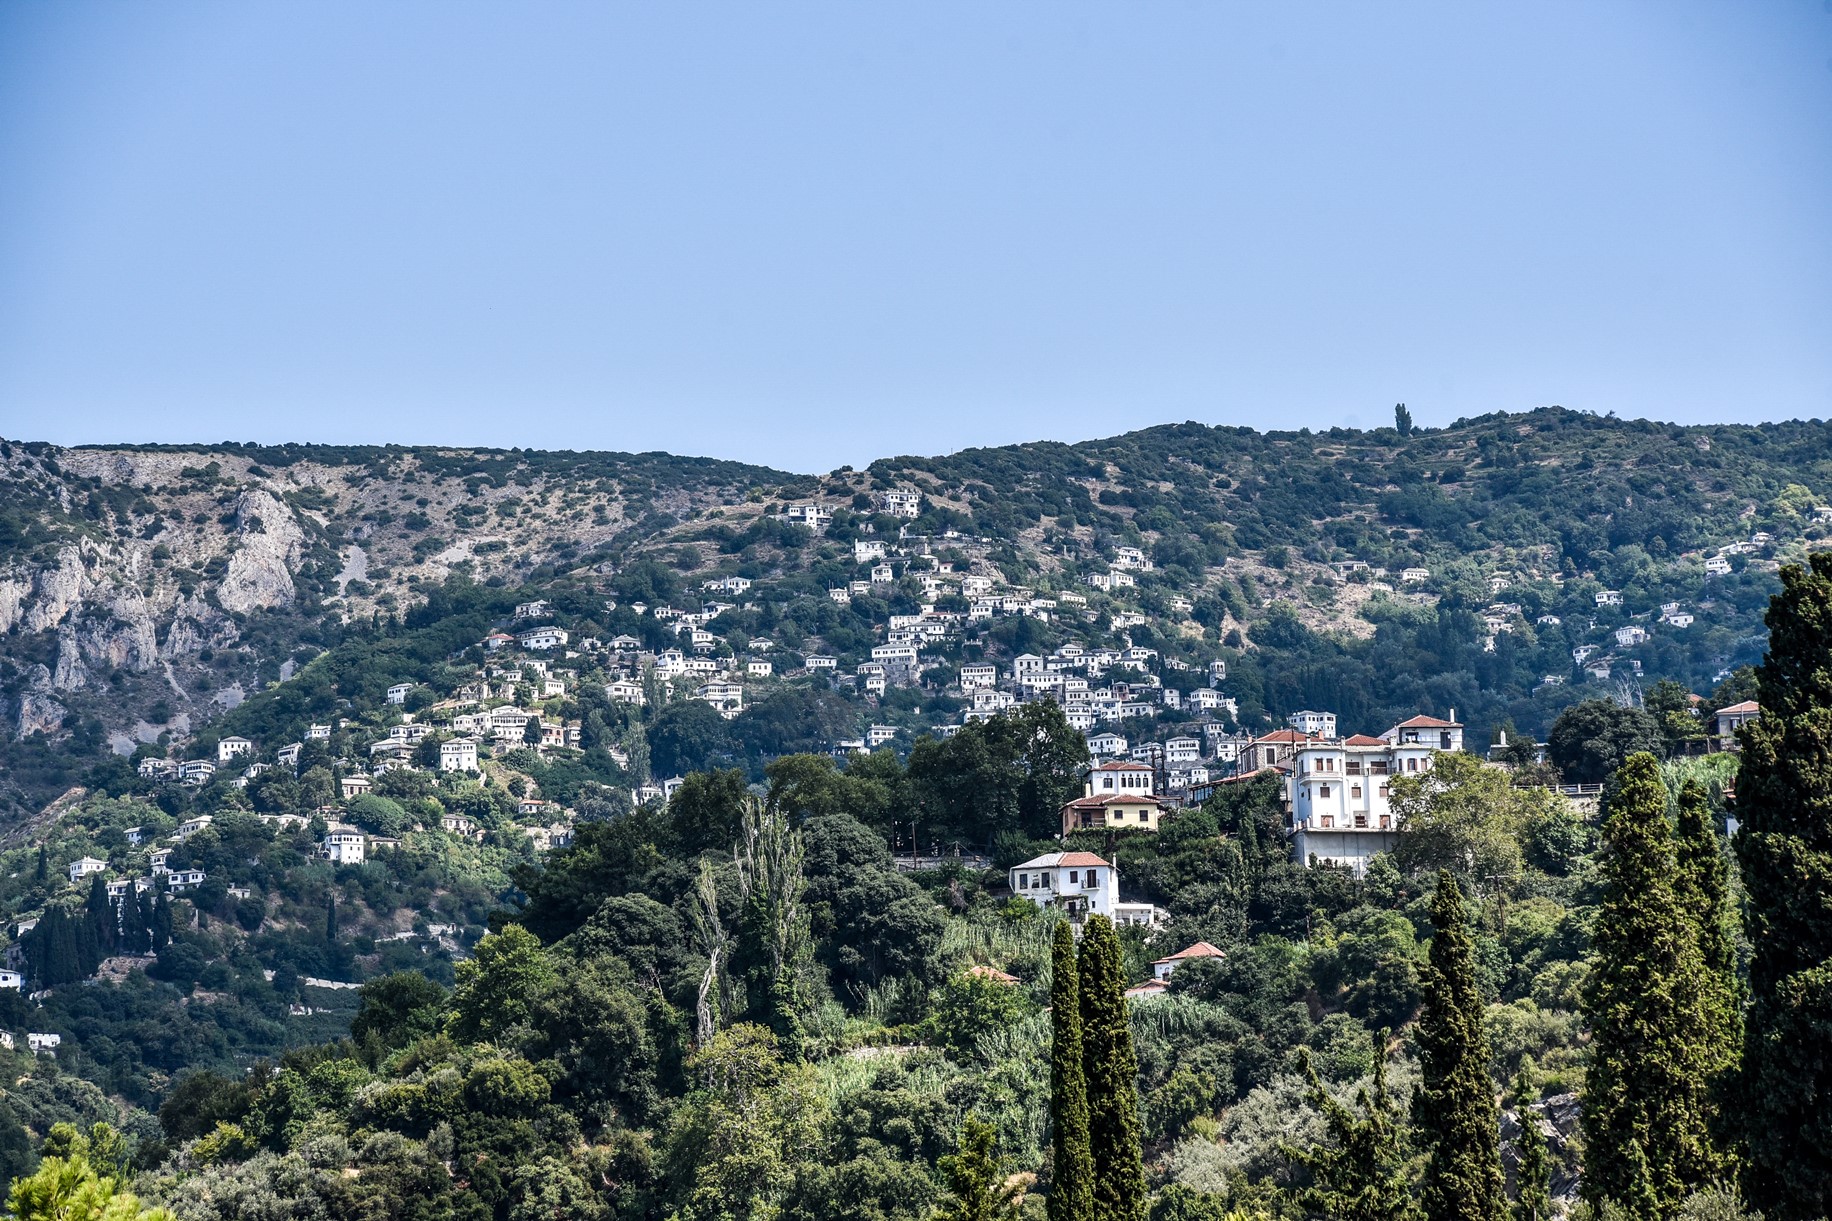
(1704, 887)
(1644, 1120)
(161, 923)
(41, 872)
(1112, 1070)
(976, 1178)
(1072, 1183)
(1453, 1111)
(1359, 1172)
(1533, 1162)
(101, 915)
(330, 919)
(1784, 801)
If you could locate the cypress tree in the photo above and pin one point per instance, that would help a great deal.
(1453, 1111)
(1533, 1163)
(1359, 1173)
(100, 912)
(1112, 1071)
(161, 923)
(1784, 801)
(1644, 1122)
(1704, 887)
(41, 873)
(330, 920)
(1072, 1184)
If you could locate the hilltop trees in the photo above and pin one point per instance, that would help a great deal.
(1785, 848)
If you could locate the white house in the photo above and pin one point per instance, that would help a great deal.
(543, 638)
(878, 735)
(901, 502)
(398, 693)
(12, 979)
(1413, 576)
(191, 826)
(1726, 721)
(1717, 566)
(84, 866)
(458, 755)
(1106, 745)
(354, 786)
(1609, 597)
(233, 748)
(820, 663)
(1164, 968)
(42, 1043)
(1315, 724)
(1080, 882)
(727, 698)
(979, 675)
(1117, 796)
(1678, 618)
(344, 846)
(1633, 634)
(759, 669)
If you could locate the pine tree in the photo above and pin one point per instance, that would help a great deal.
(1645, 1125)
(1704, 887)
(1112, 1071)
(1072, 1184)
(1533, 1162)
(1785, 848)
(1453, 1112)
(1359, 1173)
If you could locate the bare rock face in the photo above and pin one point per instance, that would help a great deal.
(269, 545)
(71, 674)
(38, 712)
(196, 625)
(126, 638)
(13, 594)
(58, 590)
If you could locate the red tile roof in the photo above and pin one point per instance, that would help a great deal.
(1362, 739)
(1201, 949)
(993, 973)
(1745, 706)
(1070, 860)
(1122, 767)
(1428, 722)
(1284, 735)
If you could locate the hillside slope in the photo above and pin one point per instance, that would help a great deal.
(146, 591)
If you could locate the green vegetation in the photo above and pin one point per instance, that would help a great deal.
(1785, 849)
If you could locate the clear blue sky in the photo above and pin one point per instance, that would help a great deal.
(808, 235)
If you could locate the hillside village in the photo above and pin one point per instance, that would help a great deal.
(976, 729)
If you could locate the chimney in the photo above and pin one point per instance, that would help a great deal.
(1453, 716)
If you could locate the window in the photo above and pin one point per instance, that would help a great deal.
(1328, 822)
(1412, 765)
(1354, 767)
(1361, 820)
(1383, 792)
(1144, 815)
(1090, 879)
(1024, 881)
(1043, 881)
(1323, 790)
(1074, 876)
(1444, 740)
(1355, 792)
